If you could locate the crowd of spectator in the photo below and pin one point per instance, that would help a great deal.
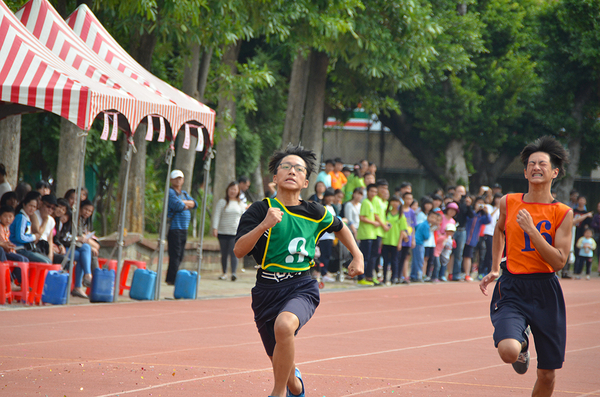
(35, 226)
(443, 236)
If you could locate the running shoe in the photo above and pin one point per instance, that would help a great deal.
(365, 282)
(468, 278)
(223, 277)
(299, 376)
(522, 363)
(328, 279)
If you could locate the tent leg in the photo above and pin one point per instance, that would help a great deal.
(75, 222)
(122, 220)
(163, 223)
(211, 155)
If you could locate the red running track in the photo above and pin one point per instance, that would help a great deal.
(417, 340)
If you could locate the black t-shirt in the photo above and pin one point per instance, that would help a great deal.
(582, 225)
(256, 213)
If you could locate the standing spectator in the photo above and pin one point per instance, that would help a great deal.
(380, 205)
(573, 196)
(373, 168)
(596, 227)
(369, 180)
(352, 210)
(582, 219)
(21, 234)
(244, 186)
(497, 189)
(355, 179)
(324, 176)
(319, 190)
(180, 204)
(338, 200)
(586, 245)
(392, 239)
(426, 208)
(443, 249)
(474, 223)
(326, 241)
(225, 223)
(4, 185)
(464, 211)
(338, 179)
(422, 233)
(405, 187)
(367, 234)
(485, 264)
(409, 244)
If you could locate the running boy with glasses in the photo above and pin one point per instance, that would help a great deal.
(535, 230)
(281, 234)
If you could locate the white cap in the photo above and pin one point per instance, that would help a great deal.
(450, 227)
(176, 174)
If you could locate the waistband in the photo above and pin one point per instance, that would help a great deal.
(265, 277)
(526, 276)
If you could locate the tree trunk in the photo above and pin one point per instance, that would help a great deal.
(69, 155)
(312, 128)
(10, 147)
(225, 147)
(296, 99)
(456, 165)
(257, 180)
(136, 187)
(141, 49)
(203, 70)
(488, 171)
(185, 158)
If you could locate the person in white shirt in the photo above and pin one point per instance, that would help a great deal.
(352, 210)
(493, 209)
(44, 224)
(4, 185)
(224, 226)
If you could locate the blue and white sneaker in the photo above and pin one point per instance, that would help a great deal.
(299, 376)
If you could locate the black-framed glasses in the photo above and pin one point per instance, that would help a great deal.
(289, 166)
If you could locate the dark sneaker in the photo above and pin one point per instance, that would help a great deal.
(299, 376)
(522, 363)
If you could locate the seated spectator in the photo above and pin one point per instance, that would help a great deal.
(62, 207)
(85, 228)
(21, 234)
(70, 197)
(4, 185)
(42, 187)
(44, 224)
(338, 199)
(10, 199)
(7, 216)
(319, 190)
(84, 194)
(21, 190)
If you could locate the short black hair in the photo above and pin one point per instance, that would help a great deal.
(546, 144)
(8, 196)
(6, 208)
(329, 161)
(371, 186)
(338, 160)
(308, 156)
(62, 202)
(436, 197)
(405, 193)
(329, 192)
(405, 184)
(42, 184)
(243, 179)
(382, 182)
(2, 169)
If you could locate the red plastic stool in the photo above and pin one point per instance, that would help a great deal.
(5, 290)
(24, 293)
(125, 273)
(107, 264)
(37, 277)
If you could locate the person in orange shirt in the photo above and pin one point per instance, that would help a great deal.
(338, 179)
(535, 230)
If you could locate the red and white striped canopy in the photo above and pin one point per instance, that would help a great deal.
(32, 77)
(85, 24)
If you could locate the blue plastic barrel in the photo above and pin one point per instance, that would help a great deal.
(185, 284)
(142, 285)
(103, 285)
(55, 288)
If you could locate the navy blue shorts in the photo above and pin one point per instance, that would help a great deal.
(535, 300)
(299, 296)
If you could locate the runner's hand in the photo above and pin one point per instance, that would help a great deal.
(525, 220)
(272, 218)
(490, 277)
(356, 267)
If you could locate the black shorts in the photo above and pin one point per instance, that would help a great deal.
(299, 296)
(468, 251)
(535, 300)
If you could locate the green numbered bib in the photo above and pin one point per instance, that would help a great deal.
(291, 243)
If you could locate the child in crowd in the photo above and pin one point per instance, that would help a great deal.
(586, 245)
(422, 233)
(326, 241)
(444, 246)
(411, 220)
(392, 239)
(473, 227)
(352, 210)
(324, 175)
(367, 234)
(7, 216)
(319, 190)
(338, 199)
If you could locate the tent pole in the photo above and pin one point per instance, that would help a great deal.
(163, 222)
(211, 155)
(127, 158)
(75, 218)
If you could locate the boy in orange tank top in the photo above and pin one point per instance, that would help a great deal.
(535, 230)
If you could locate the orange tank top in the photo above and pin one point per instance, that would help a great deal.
(521, 255)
